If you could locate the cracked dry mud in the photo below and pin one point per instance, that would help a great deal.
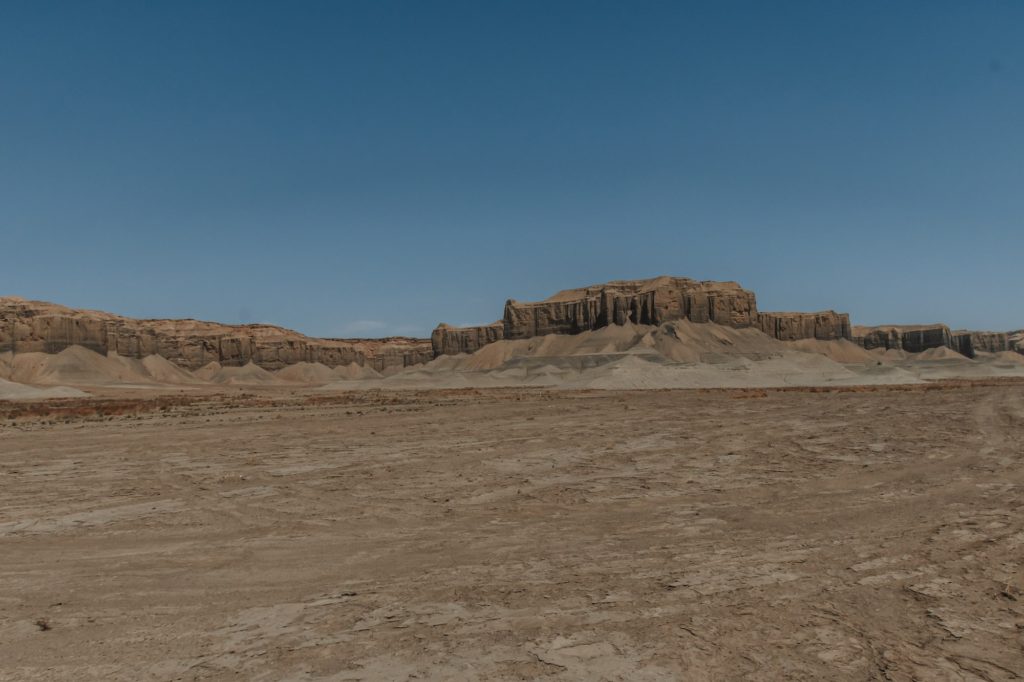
(517, 534)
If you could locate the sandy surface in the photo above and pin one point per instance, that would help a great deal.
(515, 534)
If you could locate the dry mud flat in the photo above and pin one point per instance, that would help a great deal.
(516, 534)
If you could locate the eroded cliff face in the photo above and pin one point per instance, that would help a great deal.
(447, 340)
(971, 342)
(650, 302)
(645, 302)
(826, 325)
(910, 338)
(34, 326)
(918, 338)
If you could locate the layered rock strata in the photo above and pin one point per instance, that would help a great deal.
(33, 326)
(447, 340)
(971, 342)
(646, 302)
(910, 338)
(918, 338)
(826, 325)
(651, 301)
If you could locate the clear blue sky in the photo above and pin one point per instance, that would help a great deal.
(368, 168)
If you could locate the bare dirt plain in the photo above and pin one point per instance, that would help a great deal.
(808, 534)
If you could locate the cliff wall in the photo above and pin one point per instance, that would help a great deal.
(447, 340)
(970, 342)
(910, 338)
(918, 338)
(644, 302)
(34, 326)
(826, 325)
(651, 302)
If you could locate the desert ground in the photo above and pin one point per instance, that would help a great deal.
(276, 533)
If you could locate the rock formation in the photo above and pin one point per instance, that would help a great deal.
(33, 326)
(910, 338)
(827, 325)
(446, 340)
(918, 338)
(969, 342)
(649, 302)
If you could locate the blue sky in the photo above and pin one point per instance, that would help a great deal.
(370, 168)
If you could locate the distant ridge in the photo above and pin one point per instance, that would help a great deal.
(41, 327)
(37, 326)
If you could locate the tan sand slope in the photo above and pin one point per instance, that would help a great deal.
(157, 369)
(840, 350)
(787, 369)
(247, 375)
(207, 371)
(75, 365)
(307, 373)
(163, 370)
(314, 373)
(679, 354)
(1006, 357)
(890, 355)
(680, 341)
(10, 390)
(613, 339)
(940, 353)
(81, 366)
(355, 371)
(947, 364)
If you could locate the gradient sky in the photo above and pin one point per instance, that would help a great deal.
(372, 168)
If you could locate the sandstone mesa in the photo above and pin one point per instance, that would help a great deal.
(35, 326)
